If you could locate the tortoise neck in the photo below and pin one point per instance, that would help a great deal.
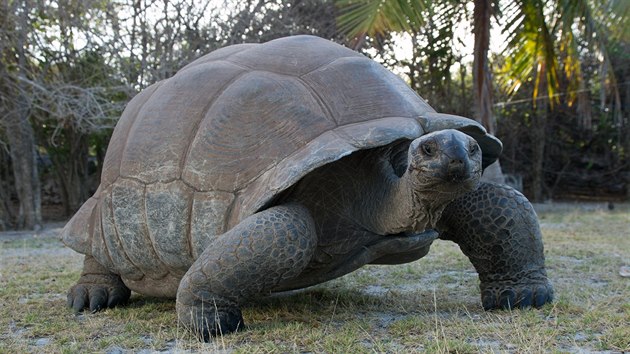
(403, 208)
(393, 206)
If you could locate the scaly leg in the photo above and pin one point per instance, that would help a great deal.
(247, 261)
(497, 228)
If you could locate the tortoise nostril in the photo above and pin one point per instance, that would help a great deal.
(456, 162)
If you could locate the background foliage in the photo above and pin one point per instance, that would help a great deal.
(559, 87)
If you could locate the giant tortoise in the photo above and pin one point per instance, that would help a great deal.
(261, 168)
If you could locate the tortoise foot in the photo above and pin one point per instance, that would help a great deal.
(507, 295)
(97, 288)
(208, 319)
(97, 292)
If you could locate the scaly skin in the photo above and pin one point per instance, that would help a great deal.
(497, 228)
(249, 260)
(97, 288)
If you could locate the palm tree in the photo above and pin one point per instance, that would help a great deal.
(547, 40)
(540, 32)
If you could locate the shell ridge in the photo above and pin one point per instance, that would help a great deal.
(230, 209)
(206, 109)
(102, 236)
(244, 186)
(188, 228)
(249, 206)
(377, 120)
(239, 193)
(133, 125)
(170, 180)
(240, 65)
(136, 179)
(194, 64)
(248, 67)
(195, 189)
(332, 62)
(145, 226)
(320, 101)
(224, 60)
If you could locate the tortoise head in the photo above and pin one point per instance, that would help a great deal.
(447, 162)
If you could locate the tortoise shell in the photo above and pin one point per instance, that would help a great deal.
(194, 154)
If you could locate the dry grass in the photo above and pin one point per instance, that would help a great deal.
(430, 305)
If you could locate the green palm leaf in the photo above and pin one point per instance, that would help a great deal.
(372, 17)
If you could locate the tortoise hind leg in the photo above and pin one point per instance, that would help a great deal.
(497, 228)
(97, 288)
(248, 261)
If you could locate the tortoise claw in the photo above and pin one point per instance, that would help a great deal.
(97, 297)
(97, 288)
(510, 296)
(210, 321)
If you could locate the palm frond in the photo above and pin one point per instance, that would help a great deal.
(531, 49)
(374, 17)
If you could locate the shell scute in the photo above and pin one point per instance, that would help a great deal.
(118, 141)
(295, 55)
(99, 248)
(209, 211)
(161, 134)
(357, 89)
(115, 248)
(256, 122)
(130, 220)
(168, 209)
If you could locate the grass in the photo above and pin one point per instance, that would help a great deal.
(430, 305)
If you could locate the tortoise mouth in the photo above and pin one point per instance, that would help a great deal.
(458, 177)
(446, 182)
(457, 185)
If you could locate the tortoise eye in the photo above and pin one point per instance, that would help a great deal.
(473, 149)
(427, 149)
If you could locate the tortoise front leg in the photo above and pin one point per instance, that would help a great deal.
(497, 228)
(247, 261)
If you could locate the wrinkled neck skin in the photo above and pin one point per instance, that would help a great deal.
(404, 205)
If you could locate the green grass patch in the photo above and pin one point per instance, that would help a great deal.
(431, 305)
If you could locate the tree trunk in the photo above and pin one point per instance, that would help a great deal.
(6, 216)
(538, 133)
(22, 139)
(24, 161)
(538, 128)
(482, 84)
(72, 172)
(464, 104)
